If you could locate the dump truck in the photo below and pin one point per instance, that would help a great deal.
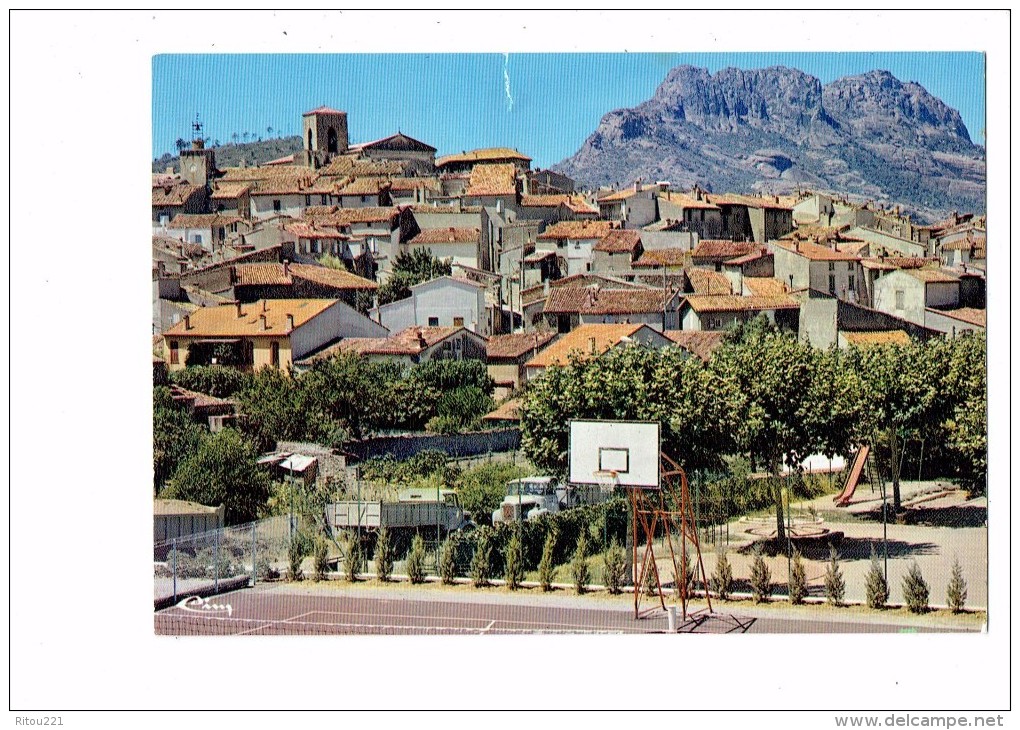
(413, 509)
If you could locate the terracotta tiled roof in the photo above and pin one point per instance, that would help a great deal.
(348, 216)
(932, 276)
(721, 249)
(195, 399)
(765, 286)
(294, 182)
(534, 258)
(863, 339)
(222, 321)
(303, 229)
(364, 186)
(965, 314)
(698, 343)
(817, 252)
(279, 275)
(172, 195)
(577, 204)
(686, 201)
(323, 110)
(675, 257)
(202, 220)
(626, 193)
(606, 282)
(488, 154)
(508, 411)
(963, 244)
(410, 341)
(586, 340)
(708, 282)
(753, 256)
(511, 347)
(544, 201)
(379, 142)
(413, 183)
(711, 303)
(749, 200)
(229, 190)
(619, 241)
(589, 300)
(492, 180)
(431, 236)
(430, 208)
(577, 230)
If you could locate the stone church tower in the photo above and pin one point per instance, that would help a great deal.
(324, 135)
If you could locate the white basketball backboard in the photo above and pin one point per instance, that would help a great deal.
(629, 448)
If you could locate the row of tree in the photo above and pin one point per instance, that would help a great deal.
(770, 397)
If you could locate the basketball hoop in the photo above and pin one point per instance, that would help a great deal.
(607, 480)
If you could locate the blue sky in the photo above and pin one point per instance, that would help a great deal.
(459, 101)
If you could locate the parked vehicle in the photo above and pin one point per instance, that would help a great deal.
(531, 497)
(414, 509)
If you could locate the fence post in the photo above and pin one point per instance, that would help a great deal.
(254, 556)
(173, 549)
(216, 563)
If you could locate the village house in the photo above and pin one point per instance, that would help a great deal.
(273, 332)
(231, 198)
(568, 307)
(418, 158)
(461, 246)
(692, 213)
(572, 242)
(554, 207)
(411, 346)
(441, 302)
(716, 312)
(492, 185)
(594, 340)
(208, 230)
(700, 344)
(377, 232)
(750, 218)
(815, 209)
(547, 182)
(633, 207)
(714, 253)
(172, 196)
(756, 264)
(706, 281)
(413, 190)
(835, 269)
(466, 161)
(615, 253)
(506, 356)
(251, 282)
(929, 297)
(826, 320)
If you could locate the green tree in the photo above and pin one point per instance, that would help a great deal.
(722, 576)
(915, 590)
(219, 382)
(481, 561)
(798, 579)
(448, 561)
(416, 561)
(956, 592)
(774, 372)
(383, 555)
(174, 436)
(223, 470)
(352, 558)
(410, 268)
(546, 569)
(579, 569)
(321, 556)
(876, 589)
(614, 568)
(514, 560)
(761, 578)
(835, 585)
(481, 488)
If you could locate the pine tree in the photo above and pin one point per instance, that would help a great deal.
(761, 578)
(876, 587)
(614, 567)
(416, 561)
(352, 562)
(546, 570)
(579, 565)
(798, 579)
(514, 561)
(835, 586)
(383, 556)
(321, 555)
(722, 577)
(915, 590)
(295, 556)
(448, 562)
(481, 561)
(956, 593)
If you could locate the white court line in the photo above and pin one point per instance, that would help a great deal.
(491, 624)
(257, 628)
(451, 618)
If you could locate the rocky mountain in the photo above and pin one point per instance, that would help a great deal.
(777, 129)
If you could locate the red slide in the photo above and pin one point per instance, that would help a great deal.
(843, 498)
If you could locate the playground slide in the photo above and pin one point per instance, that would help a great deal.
(843, 498)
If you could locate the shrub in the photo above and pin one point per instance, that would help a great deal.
(761, 578)
(546, 571)
(352, 559)
(915, 590)
(383, 556)
(876, 588)
(579, 565)
(296, 551)
(798, 579)
(614, 567)
(687, 580)
(321, 555)
(956, 592)
(416, 561)
(448, 561)
(651, 586)
(514, 562)
(835, 586)
(481, 561)
(722, 577)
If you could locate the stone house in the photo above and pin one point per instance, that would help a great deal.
(492, 185)
(633, 207)
(506, 356)
(411, 346)
(572, 242)
(418, 157)
(693, 213)
(569, 307)
(231, 198)
(616, 252)
(442, 302)
(910, 293)
(172, 196)
(465, 162)
(719, 312)
(209, 230)
(835, 269)
(461, 246)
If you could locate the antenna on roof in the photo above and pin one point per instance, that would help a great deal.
(196, 125)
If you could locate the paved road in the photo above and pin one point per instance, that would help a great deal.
(284, 611)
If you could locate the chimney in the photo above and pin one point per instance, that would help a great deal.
(591, 345)
(545, 288)
(290, 322)
(265, 325)
(286, 267)
(637, 185)
(265, 305)
(233, 275)
(239, 312)
(187, 321)
(422, 344)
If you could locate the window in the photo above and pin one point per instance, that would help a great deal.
(276, 206)
(832, 283)
(323, 200)
(899, 299)
(433, 321)
(196, 238)
(851, 283)
(308, 200)
(849, 265)
(175, 356)
(832, 266)
(458, 321)
(274, 354)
